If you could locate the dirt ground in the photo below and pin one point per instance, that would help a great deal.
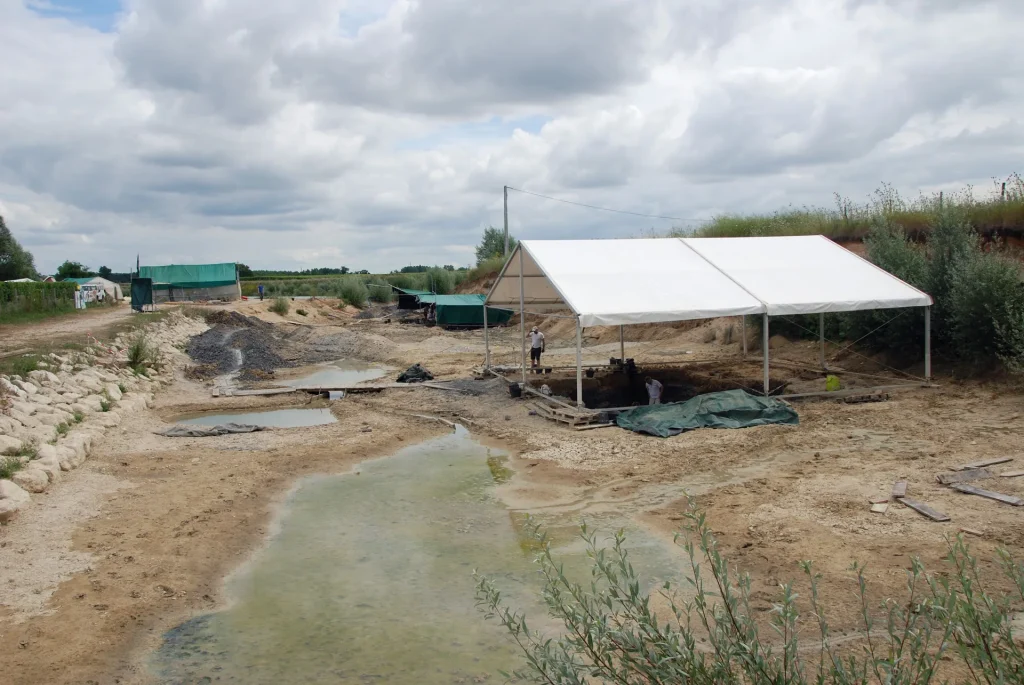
(142, 535)
(72, 325)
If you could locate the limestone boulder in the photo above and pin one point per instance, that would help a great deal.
(9, 445)
(8, 425)
(53, 419)
(69, 458)
(23, 406)
(94, 403)
(27, 386)
(40, 398)
(48, 462)
(108, 419)
(12, 500)
(41, 377)
(11, 389)
(25, 420)
(113, 391)
(31, 479)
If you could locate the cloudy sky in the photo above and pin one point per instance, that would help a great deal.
(374, 134)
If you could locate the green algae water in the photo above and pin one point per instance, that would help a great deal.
(368, 579)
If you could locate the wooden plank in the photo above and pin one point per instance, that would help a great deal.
(971, 531)
(260, 392)
(963, 476)
(594, 425)
(924, 509)
(983, 463)
(899, 489)
(880, 508)
(879, 500)
(1011, 474)
(988, 494)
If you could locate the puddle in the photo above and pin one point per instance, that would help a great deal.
(275, 418)
(368, 578)
(340, 373)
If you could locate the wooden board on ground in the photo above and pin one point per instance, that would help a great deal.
(863, 399)
(899, 489)
(988, 494)
(1011, 474)
(983, 463)
(228, 392)
(971, 531)
(879, 507)
(963, 476)
(595, 425)
(924, 509)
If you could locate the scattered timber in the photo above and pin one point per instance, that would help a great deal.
(879, 507)
(899, 489)
(983, 463)
(1011, 474)
(971, 531)
(924, 509)
(864, 399)
(988, 494)
(963, 476)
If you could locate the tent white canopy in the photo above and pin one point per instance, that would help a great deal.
(620, 282)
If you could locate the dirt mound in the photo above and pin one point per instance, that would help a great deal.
(234, 319)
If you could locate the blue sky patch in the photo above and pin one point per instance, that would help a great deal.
(98, 14)
(492, 129)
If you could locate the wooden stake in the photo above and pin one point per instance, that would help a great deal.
(983, 463)
(924, 509)
(988, 494)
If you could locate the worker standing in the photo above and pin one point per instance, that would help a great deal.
(654, 389)
(536, 347)
(260, 288)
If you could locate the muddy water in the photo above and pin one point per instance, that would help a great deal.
(367, 578)
(338, 374)
(274, 418)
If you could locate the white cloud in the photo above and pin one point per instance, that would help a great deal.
(374, 135)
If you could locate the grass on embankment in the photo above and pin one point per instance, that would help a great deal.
(999, 212)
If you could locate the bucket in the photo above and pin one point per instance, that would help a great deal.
(514, 390)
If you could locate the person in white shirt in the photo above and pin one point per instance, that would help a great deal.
(536, 347)
(654, 389)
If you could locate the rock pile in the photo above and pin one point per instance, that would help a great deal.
(50, 418)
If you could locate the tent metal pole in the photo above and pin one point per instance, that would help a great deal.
(743, 333)
(622, 345)
(487, 342)
(927, 343)
(821, 336)
(764, 347)
(522, 312)
(579, 364)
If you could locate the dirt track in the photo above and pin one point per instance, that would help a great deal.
(150, 526)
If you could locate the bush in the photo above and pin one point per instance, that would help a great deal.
(440, 281)
(79, 417)
(279, 306)
(9, 466)
(63, 428)
(140, 353)
(379, 290)
(351, 291)
(301, 312)
(612, 635)
(20, 300)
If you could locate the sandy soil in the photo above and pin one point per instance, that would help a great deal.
(143, 534)
(74, 325)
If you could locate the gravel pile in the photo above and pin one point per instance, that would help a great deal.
(232, 333)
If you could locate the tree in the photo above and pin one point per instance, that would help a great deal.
(105, 272)
(71, 269)
(15, 261)
(243, 271)
(492, 245)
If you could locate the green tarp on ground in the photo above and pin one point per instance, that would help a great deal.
(728, 409)
(465, 310)
(190, 275)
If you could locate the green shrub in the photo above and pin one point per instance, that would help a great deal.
(280, 306)
(301, 312)
(353, 292)
(611, 634)
(20, 301)
(441, 281)
(63, 428)
(29, 450)
(105, 405)
(379, 290)
(140, 353)
(122, 388)
(9, 466)
(79, 417)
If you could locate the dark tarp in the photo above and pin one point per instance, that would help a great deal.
(729, 409)
(465, 310)
(409, 299)
(415, 374)
(142, 293)
(182, 431)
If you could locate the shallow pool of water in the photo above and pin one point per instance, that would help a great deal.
(340, 373)
(274, 418)
(367, 578)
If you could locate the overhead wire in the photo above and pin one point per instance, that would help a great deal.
(609, 209)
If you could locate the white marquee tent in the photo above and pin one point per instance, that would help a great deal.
(622, 282)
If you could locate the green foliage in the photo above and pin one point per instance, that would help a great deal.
(353, 292)
(379, 290)
(9, 466)
(120, 386)
(29, 450)
(15, 261)
(63, 428)
(243, 271)
(611, 634)
(301, 312)
(486, 269)
(140, 353)
(280, 306)
(71, 269)
(79, 417)
(19, 301)
(105, 405)
(492, 245)
(441, 281)
(20, 365)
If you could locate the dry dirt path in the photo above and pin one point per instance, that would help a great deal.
(62, 328)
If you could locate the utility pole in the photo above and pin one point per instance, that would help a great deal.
(506, 222)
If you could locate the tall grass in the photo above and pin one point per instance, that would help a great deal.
(355, 287)
(279, 306)
(998, 211)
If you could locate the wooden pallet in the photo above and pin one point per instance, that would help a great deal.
(571, 417)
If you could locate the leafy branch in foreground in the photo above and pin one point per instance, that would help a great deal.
(610, 634)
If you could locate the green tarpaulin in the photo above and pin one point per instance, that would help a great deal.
(729, 409)
(190, 275)
(465, 310)
(142, 293)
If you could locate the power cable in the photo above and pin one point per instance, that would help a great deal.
(608, 209)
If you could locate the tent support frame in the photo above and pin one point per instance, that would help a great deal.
(743, 333)
(927, 343)
(487, 342)
(579, 364)
(622, 344)
(522, 313)
(821, 337)
(764, 349)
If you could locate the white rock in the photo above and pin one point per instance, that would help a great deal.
(113, 391)
(31, 479)
(69, 458)
(49, 419)
(8, 425)
(108, 419)
(40, 398)
(43, 377)
(11, 388)
(23, 406)
(9, 445)
(94, 403)
(81, 408)
(27, 386)
(12, 498)
(25, 420)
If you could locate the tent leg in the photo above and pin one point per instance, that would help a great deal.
(579, 364)
(622, 345)
(821, 336)
(927, 343)
(487, 343)
(522, 313)
(764, 348)
(743, 333)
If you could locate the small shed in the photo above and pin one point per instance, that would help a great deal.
(190, 282)
(465, 311)
(409, 299)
